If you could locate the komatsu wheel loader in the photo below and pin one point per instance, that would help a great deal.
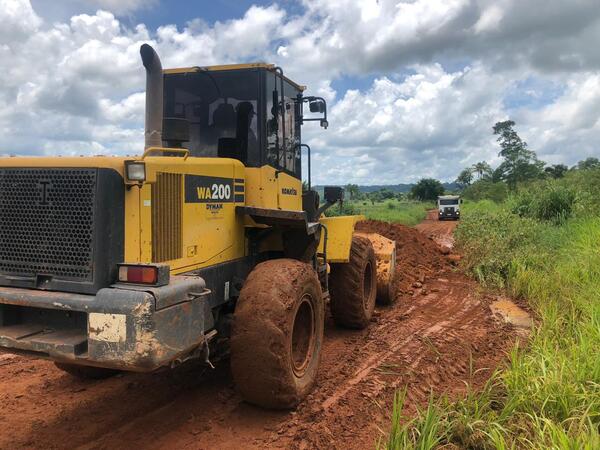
(142, 263)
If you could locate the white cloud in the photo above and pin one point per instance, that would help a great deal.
(569, 128)
(441, 72)
(420, 126)
(118, 6)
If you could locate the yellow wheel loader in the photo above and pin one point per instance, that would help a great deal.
(142, 263)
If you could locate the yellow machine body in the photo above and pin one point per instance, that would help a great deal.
(190, 227)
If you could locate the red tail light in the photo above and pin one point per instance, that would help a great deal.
(143, 274)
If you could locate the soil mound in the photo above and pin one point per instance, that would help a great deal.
(417, 256)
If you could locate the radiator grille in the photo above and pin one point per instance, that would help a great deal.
(47, 222)
(166, 217)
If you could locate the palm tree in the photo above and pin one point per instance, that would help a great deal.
(482, 168)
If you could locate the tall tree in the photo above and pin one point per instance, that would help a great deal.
(556, 171)
(520, 163)
(427, 189)
(482, 168)
(588, 163)
(352, 190)
(465, 177)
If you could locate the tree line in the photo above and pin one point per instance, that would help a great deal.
(519, 164)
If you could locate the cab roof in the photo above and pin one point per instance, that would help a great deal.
(449, 197)
(223, 67)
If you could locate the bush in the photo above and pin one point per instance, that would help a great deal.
(549, 394)
(345, 209)
(550, 202)
(486, 190)
(502, 231)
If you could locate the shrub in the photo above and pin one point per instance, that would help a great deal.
(549, 202)
(505, 233)
(486, 190)
(345, 209)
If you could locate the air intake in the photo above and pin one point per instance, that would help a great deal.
(167, 240)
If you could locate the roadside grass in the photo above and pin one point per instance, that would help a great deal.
(404, 212)
(548, 394)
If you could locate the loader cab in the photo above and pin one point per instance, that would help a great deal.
(247, 112)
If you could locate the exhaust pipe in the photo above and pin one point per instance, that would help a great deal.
(154, 97)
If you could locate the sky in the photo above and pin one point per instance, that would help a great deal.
(413, 86)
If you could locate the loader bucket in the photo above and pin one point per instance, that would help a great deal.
(385, 253)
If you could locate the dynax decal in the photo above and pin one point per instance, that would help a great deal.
(202, 189)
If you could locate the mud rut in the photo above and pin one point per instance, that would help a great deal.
(438, 335)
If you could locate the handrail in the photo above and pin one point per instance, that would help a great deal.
(184, 151)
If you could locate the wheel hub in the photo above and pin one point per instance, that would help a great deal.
(303, 336)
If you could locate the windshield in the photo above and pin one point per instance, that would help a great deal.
(446, 202)
(220, 107)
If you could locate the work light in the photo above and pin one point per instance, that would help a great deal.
(135, 170)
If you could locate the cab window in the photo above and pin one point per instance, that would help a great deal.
(282, 151)
(221, 108)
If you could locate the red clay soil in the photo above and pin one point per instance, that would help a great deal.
(438, 335)
(438, 230)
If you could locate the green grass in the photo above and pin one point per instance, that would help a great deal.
(404, 212)
(548, 395)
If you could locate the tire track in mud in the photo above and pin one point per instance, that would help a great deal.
(439, 335)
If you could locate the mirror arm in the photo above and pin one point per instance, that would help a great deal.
(323, 120)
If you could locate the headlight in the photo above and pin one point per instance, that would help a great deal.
(135, 170)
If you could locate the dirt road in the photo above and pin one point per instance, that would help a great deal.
(439, 334)
(439, 230)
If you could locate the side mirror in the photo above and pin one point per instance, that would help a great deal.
(333, 194)
(324, 124)
(317, 106)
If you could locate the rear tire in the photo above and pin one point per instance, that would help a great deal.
(277, 334)
(86, 372)
(353, 286)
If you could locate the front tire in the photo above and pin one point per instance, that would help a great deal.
(277, 334)
(353, 286)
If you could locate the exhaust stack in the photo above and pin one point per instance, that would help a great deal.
(154, 97)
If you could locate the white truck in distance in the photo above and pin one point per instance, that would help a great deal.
(449, 207)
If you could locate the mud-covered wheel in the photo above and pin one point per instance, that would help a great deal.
(277, 334)
(353, 286)
(86, 372)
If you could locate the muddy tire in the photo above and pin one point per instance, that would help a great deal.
(86, 372)
(353, 286)
(277, 334)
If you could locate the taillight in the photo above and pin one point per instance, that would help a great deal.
(156, 275)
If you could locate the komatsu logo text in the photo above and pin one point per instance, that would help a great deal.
(289, 191)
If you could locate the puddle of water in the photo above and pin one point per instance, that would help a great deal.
(512, 313)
